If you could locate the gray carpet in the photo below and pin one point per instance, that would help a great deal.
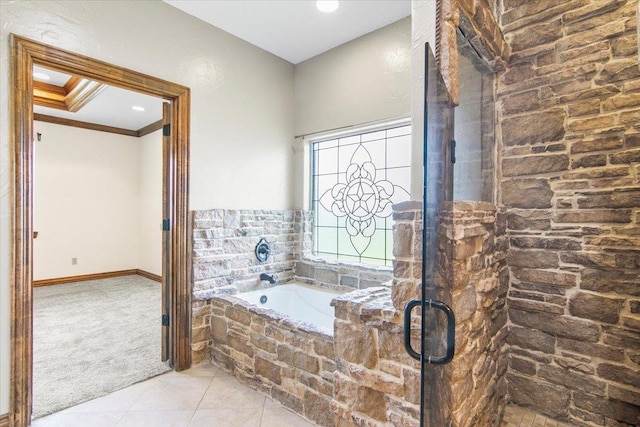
(92, 338)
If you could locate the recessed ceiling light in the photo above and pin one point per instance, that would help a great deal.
(327, 6)
(41, 76)
(137, 108)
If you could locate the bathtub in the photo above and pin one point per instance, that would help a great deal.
(282, 345)
(300, 302)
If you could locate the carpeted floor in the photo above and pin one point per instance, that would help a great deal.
(92, 338)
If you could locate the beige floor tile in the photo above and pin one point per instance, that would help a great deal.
(270, 403)
(40, 422)
(121, 400)
(156, 419)
(173, 393)
(246, 417)
(83, 419)
(226, 392)
(202, 369)
(279, 417)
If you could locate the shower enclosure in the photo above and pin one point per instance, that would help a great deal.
(437, 320)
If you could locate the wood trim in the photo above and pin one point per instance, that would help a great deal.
(96, 276)
(149, 128)
(148, 275)
(71, 83)
(21, 152)
(4, 420)
(166, 242)
(48, 95)
(180, 254)
(83, 278)
(83, 125)
(74, 95)
(24, 54)
(100, 128)
(54, 91)
(82, 93)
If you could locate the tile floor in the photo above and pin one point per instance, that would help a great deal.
(515, 416)
(202, 396)
(205, 396)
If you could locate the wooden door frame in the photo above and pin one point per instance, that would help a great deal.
(24, 54)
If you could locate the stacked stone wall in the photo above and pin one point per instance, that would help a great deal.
(224, 260)
(569, 120)
(376, 382)
(472, 261)
(292, 363)
(224, 242)
(311, 269)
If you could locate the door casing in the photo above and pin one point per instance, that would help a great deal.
(24, 54)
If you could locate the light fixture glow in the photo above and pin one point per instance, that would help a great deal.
(327, 6)
(41, 76)
(137, 108)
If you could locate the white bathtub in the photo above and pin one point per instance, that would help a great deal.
(301, 302)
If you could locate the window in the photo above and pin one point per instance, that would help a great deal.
(356, 180)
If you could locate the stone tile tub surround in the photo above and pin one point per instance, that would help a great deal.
(376, 382)
(224, 261)
(290, 361)
(224, 242)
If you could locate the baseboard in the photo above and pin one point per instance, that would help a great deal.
(96, 276)
(61, 280)
(4, 420)
(148, 275)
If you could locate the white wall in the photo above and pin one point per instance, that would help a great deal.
(150, 203)
(97, 198)
(362, 81)
(85, 202)
(241, 103)
(423, 30)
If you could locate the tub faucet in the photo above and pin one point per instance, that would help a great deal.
(265, 276)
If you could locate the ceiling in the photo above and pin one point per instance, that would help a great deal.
(294, 30)
(110, 107)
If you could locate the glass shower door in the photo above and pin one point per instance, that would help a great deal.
(437, 321)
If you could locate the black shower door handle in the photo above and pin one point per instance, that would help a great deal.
(451, 331)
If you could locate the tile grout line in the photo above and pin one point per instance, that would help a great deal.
(202, 397)
(264, 403)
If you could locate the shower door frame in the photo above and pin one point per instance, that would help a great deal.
(24, 54)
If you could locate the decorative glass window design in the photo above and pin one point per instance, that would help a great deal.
(356, 181)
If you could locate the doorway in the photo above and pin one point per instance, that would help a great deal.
(176, 268)
(97, 249)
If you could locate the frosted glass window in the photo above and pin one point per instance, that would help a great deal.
(356, 181)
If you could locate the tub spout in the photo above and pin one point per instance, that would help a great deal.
(268, 277)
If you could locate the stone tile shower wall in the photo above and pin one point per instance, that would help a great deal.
(376, 382)
(473, 261)
(569, 118)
